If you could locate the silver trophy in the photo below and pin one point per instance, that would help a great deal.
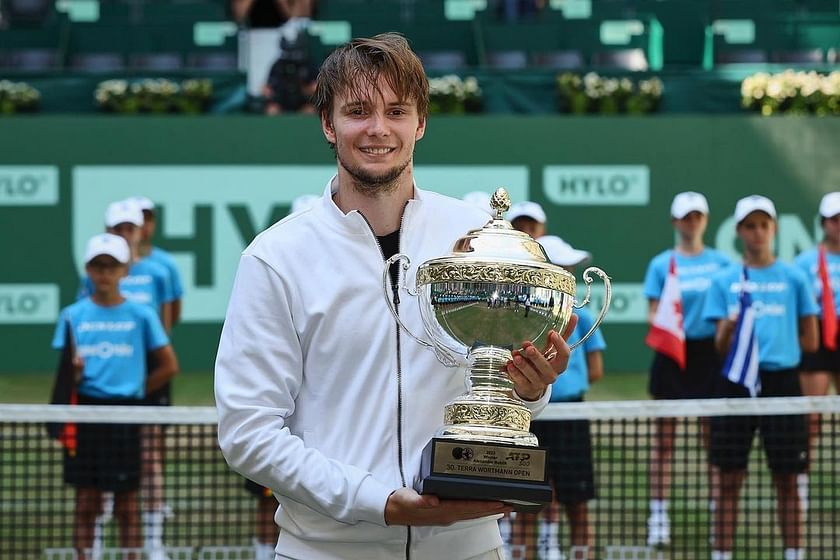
(495, 290)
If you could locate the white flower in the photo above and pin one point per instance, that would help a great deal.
(775, 87)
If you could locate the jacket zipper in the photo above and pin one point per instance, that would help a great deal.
(396, 292)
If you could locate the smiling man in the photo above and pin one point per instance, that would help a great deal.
(321, 398)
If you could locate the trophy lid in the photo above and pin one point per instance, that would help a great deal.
(497, 253)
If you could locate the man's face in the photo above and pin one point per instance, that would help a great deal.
(149, 225)
(831, 227)
(757, 231)
(105, 272)
(529, 225)
(128, 231)
(374, 136)
(692, 224)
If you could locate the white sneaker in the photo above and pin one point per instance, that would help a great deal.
(659, 530)
(552, 553)
(802, 492)
(157, 553)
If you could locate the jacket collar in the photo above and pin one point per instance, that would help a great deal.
(353, 222)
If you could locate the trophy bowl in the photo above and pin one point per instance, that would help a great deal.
(495, 290)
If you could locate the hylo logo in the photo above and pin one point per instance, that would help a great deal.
(21, 303)
(24, 186)
(597, 185)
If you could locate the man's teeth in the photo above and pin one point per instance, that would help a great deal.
(377, 151)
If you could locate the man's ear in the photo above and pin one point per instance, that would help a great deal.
(421, 129)
(327, 128)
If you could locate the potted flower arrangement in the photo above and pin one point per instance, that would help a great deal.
(451, 94)
(18, 97)
(154, 96)
(592, 93)
(803, 93)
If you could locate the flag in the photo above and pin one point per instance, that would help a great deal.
(829, 314)
(741, 365)
(667, 334)
(64, 390)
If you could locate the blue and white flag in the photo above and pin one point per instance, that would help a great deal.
(741, 364)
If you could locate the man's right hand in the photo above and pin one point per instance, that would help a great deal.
(406, 507)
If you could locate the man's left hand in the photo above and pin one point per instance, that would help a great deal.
(530, 370)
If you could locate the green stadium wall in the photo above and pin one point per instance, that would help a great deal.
(606, 184)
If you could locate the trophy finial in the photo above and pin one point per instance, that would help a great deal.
(500, 202)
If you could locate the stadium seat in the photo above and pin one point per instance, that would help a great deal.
(741, 56)
(221, 61)
(163, 61)
(443, 60)
(507, 60)
(807, 56)
(621, 59)
(28, 12)
(558, 60)
(98, 62)
(32, 60)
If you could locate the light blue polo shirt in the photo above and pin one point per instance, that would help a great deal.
(695, 276)
(781, 294)
(574, 382)
(112, 341)
(807, 261)
(166, 260)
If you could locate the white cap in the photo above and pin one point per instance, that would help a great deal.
(124, 211)
(303, 202)
(687, 202)
(528, 209)
(830, 205)
(560, 252)
(107, 244)
(754, 203)
(144, 203)
(479, 199)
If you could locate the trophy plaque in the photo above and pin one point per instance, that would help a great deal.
(494, 290)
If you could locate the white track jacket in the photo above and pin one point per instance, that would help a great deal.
(322, 399)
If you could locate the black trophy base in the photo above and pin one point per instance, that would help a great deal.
(468, 470)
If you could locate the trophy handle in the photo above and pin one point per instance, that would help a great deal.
(607, 297)
(443, 354)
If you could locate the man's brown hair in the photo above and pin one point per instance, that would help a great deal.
(356, 67)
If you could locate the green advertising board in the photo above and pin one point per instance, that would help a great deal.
(605, 183)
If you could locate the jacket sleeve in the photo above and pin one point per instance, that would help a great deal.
(257, 379)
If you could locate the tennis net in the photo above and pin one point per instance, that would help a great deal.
(209, 514)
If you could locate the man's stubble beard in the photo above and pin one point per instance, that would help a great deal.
(371, 185)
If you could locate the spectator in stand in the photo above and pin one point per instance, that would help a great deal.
(291, 79)
(258, 14)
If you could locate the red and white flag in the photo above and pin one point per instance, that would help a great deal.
(667, 334)
(829, 315)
